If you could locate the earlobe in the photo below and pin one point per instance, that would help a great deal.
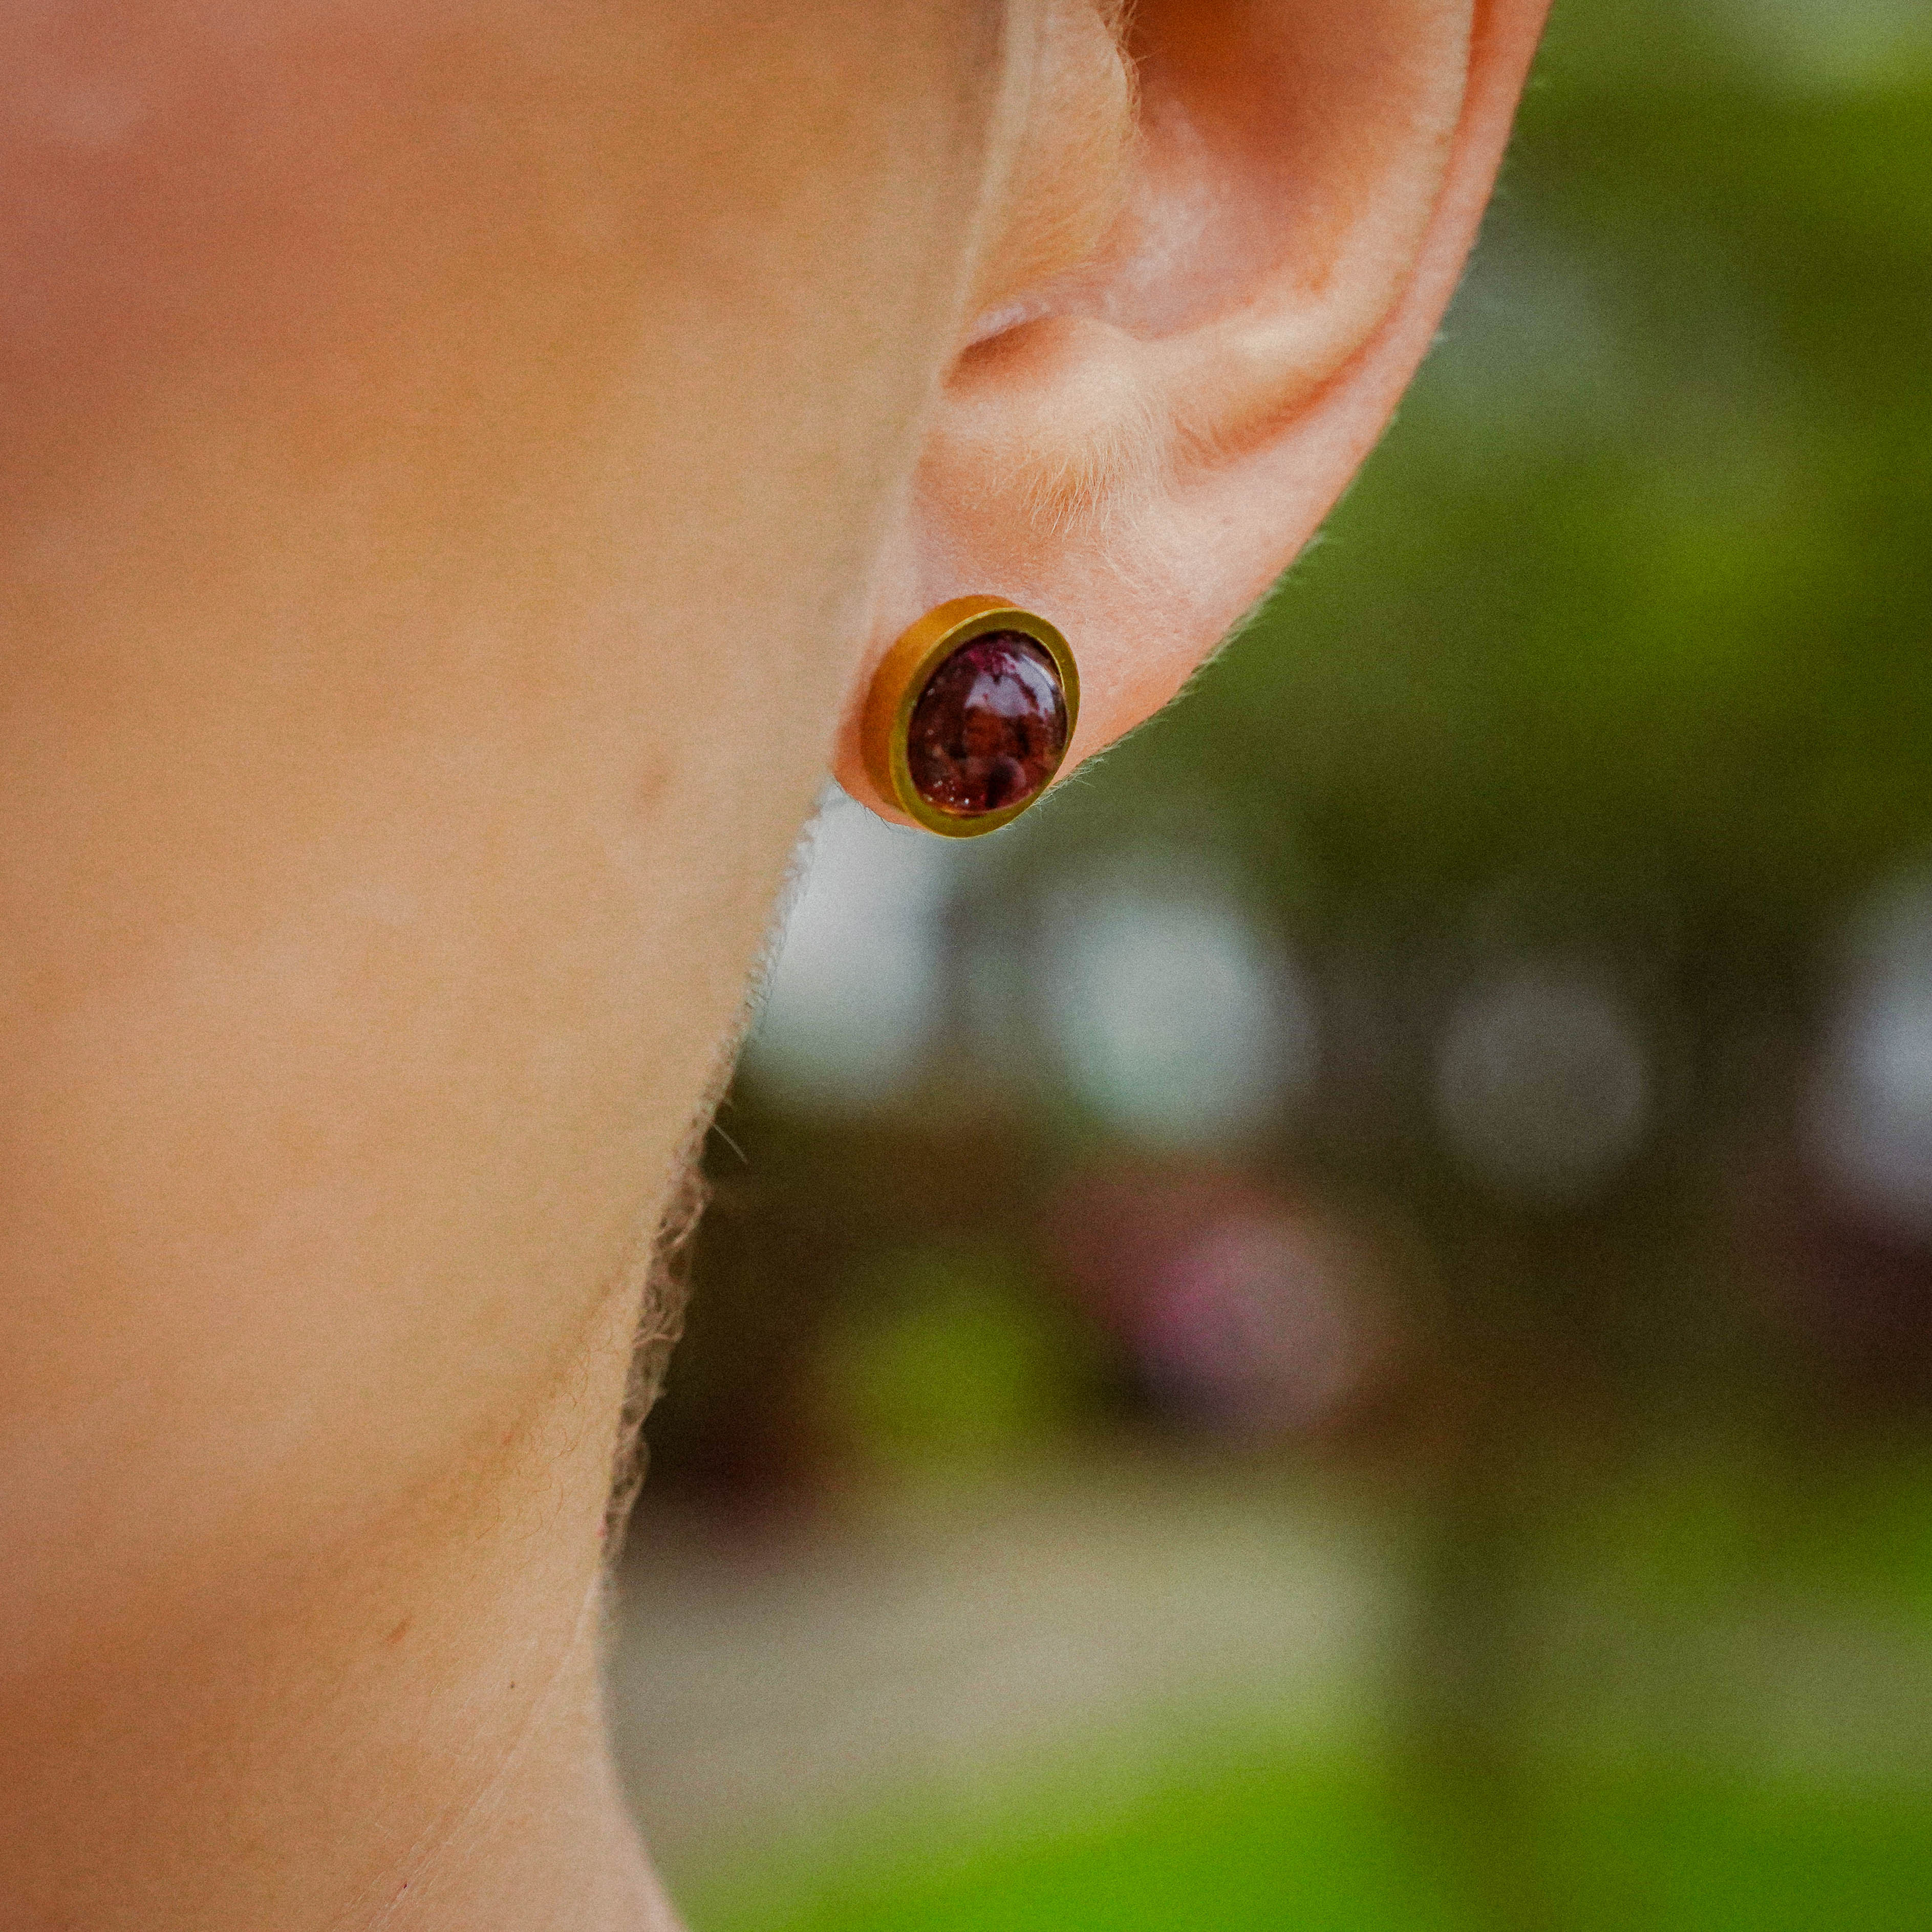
(1137, 437)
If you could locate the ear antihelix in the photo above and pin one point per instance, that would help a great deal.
(969, 716)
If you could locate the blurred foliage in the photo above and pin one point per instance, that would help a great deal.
(1617, 654)
(949, 1366)
(1329, 1847)
(1637, 591)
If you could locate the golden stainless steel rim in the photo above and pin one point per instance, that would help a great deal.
(902, 677)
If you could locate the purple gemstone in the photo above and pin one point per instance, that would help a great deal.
(990, 727)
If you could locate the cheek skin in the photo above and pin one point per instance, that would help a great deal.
(420, 634)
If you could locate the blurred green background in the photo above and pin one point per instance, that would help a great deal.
(1335, 1331)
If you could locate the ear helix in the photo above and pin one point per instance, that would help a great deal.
(969, 714)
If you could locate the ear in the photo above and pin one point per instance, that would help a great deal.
(1228, 233)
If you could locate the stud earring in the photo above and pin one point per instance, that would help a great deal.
(969, 715)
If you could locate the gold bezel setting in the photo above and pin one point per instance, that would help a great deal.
(901, 680)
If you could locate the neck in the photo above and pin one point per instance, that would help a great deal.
(400, 1727)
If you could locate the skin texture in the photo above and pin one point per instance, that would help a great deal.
(462, 462)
